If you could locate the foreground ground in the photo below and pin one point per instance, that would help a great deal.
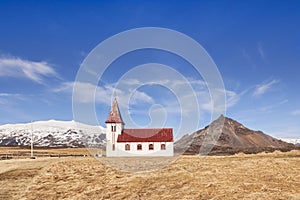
(261, 176)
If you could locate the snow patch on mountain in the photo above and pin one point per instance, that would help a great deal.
(291, 140)
(53, 133)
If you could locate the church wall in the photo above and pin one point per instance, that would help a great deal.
(121, 152)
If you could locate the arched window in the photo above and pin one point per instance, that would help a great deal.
(139, 147)
(163, 146)
(127, 147)
(151, 147)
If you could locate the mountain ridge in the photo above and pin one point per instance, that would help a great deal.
(233, 137)
(52, 133)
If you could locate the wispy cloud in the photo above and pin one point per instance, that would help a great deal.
(232, 98)
(134, 99)
(264, 87)
(271, 107)
(84, 91)
(9, 95)
(101, 94)
(200, 91)
(246, 55)
(9, 98)
(17, 67)
(261, 51)
(296, 112)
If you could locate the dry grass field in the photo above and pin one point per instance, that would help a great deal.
(261, 176)
(19, 152)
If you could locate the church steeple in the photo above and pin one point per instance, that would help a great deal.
(114, 114)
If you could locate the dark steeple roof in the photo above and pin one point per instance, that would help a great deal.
(114, 114)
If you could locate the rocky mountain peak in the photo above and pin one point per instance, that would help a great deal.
(232, 137)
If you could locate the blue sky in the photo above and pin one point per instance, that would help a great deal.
(255, 45)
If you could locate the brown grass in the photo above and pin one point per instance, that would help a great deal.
(10, 150)
(261, 176)
(23, 152)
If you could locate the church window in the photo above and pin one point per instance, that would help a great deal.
(151, 147)
(113, 128)
(139, 147)
(163, 147)
(127, 147)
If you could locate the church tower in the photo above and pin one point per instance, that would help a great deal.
(114, 127)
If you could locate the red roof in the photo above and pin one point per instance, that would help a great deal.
(114, 114)
(146, 135)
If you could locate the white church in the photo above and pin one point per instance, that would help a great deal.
(121, 142)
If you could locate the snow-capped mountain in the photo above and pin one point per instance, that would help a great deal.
(292, 140)
(53, 133)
